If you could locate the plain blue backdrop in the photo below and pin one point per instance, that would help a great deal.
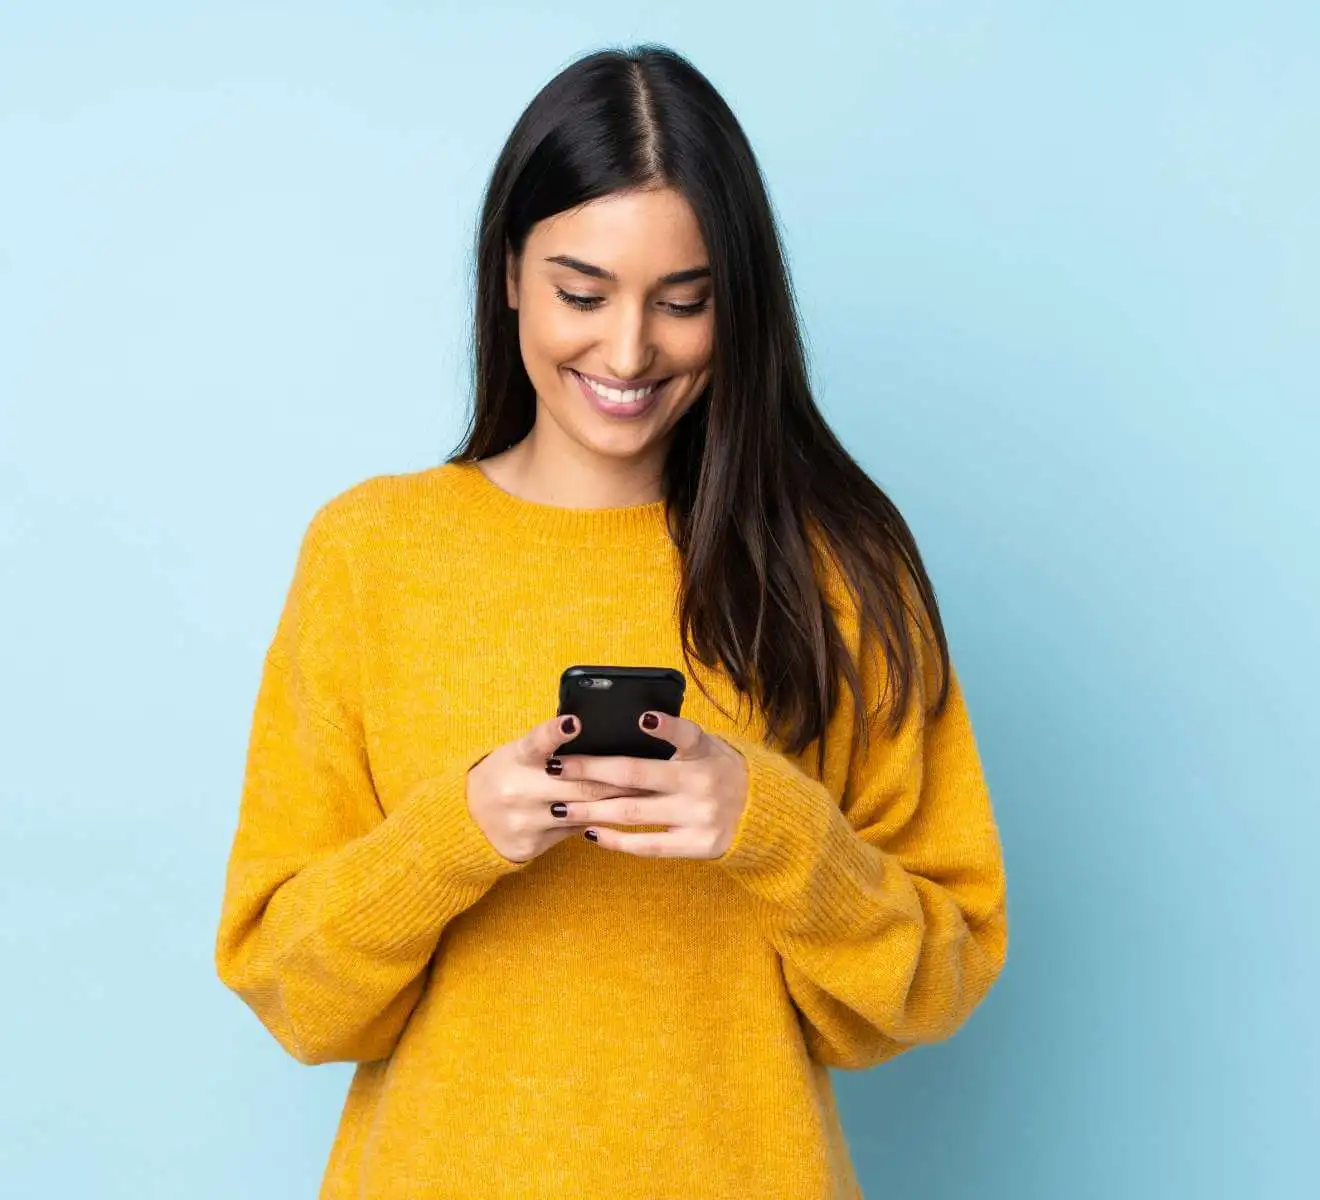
(1058, 267)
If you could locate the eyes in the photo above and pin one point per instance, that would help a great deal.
(588, 303)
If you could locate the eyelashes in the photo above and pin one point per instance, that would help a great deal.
(588, 303)
(575, 301)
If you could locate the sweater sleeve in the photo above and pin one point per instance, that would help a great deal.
(887, 906)
(332, 909)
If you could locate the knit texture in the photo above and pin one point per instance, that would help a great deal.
(589, 1023)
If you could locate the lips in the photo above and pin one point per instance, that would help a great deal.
(613, 385)
(612, 408)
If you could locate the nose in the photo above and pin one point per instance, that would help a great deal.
(627, 347)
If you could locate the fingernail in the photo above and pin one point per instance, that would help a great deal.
(559, 809)
(553, 765)
(650, 721)
(590, 835)
(568, 724)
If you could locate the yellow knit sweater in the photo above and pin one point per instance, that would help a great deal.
(589, 1023)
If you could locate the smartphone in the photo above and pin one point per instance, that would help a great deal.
(609, 701)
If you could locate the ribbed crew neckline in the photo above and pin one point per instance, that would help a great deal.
(484, 499)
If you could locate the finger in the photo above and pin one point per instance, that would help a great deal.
(591, 790)
(684, 735)
(647, 774)
(542, 740)
(677, 843)
(561, 831)
(645, 809)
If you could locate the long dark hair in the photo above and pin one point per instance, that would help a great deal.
(757, 487)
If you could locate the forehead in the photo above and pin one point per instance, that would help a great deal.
(643, 234)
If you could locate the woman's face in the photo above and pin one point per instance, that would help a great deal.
(616, 294)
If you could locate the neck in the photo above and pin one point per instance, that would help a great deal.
(562, 472)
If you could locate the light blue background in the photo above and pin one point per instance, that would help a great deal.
(1058, 269)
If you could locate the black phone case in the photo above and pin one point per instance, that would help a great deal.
(609, 711)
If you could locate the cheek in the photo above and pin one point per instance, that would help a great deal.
(550, 337)
(692, 347)
(691, 341)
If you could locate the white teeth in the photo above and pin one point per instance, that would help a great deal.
(614, 395)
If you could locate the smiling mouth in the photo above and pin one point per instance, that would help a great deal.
(619, 395)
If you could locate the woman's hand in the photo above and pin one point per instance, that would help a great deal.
(509, 793)
(700, 793)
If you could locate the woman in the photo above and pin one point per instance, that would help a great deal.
(413, 884)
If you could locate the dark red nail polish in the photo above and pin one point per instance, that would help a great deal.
(650, 721)
(590, 835)
(553, 765)
(559, 809)
(567, 725)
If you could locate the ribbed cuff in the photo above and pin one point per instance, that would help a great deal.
(425, 863)
(793, 847)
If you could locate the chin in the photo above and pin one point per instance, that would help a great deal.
(622, 446)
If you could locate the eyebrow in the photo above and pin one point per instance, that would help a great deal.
(586, 268)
